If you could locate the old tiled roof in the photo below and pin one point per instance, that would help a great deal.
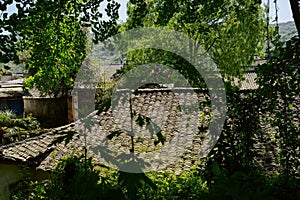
(33, 150)
(248, 82)
(160, 106)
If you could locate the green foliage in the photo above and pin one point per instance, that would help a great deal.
(54, 60)
(231, 31)
(252, 185)
(75, 178)
(142, 56)
(53, 33)
(6, 117)
(29, 190)
(9, 119)
(279, 94)
(232, 169)
(15, 129)
(103, 95)
(240, 186)
(132, 182)
(283, 188)
(235, 150)
(187, 185)
(31, 14)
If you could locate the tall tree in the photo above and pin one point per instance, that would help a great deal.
(52, 32)
(231, 31)
(56, 51)
(295, 6)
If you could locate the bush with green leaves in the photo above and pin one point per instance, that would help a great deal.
(28, 189)
(15, 129)
(187, 185)
(234, 150)
(9, 119)
(279, 89)
(270, 116)
(76, 178)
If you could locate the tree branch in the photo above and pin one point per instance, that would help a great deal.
(296, 13)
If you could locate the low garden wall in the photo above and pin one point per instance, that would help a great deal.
(51, 112)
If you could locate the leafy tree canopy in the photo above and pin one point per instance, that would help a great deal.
(32, 12)
(51, 36)
(231, 31)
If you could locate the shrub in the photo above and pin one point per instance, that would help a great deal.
(75, 178)
(15, 129)
(187, 185)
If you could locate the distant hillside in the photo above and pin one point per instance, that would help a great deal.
(287, 30)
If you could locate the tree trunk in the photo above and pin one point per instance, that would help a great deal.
(296, 13)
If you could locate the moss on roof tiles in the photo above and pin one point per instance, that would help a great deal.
(39, 145)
